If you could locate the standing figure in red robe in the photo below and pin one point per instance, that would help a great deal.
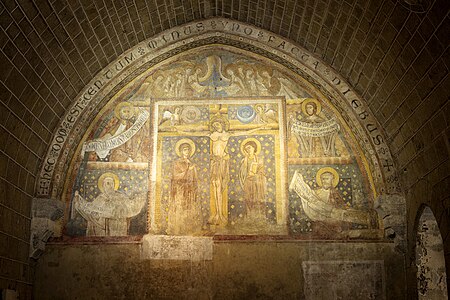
(185, 215)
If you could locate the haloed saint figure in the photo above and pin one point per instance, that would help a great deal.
(253, 179)
(185, 216)
(219, 133)
(109, 213)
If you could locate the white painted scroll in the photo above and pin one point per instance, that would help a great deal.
(102, 146)
(318, 209)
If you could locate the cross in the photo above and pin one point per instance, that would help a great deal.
(388, 165)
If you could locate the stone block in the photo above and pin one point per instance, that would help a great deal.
(342, 280)
(177, 247)
(45, 214)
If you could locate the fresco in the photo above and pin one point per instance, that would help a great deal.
(219, 166)
(220, 143)
(109, 196)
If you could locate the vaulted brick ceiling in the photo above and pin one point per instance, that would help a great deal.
(394, 57)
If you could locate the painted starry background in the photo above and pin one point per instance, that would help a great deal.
(236, 207)
(201, 158)
(131, 182)
(349, 179)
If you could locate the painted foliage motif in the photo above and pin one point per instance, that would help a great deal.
(217, 142)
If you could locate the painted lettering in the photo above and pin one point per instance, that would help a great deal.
(152, 44)
(377, 140)
(371, 127)
(44, 183)
(82, 103)
(59, 139)
(66, 125)
(48, 168)
(336, 81)
(91, 91)
(316, 63)
(175, 35)
(44, 186)
(129, 59)
(98, 84)
(348, 90)
(67, 130)
(363, 115)
(80, 106)
(86, 96)
(71, 118)
(51, 161)
(56, 147)
(47, 176)
(295, 50)
(62, 132)
(108, 74)
(200, 26)
(119, 66)
(355, 104)
(187, 30)
(74, 112)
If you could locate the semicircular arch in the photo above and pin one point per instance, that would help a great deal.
(305, 78)
(169, 43)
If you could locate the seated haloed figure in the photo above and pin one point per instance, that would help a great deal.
(109, 213)
(124, 138)
(326, 206)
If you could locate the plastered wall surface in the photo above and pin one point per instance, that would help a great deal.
(237, 270)
(431, 275)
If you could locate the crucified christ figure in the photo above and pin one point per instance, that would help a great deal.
(219, 135)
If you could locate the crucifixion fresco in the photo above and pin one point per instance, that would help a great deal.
(220, 144)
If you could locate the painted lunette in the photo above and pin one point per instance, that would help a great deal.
(93, 96)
